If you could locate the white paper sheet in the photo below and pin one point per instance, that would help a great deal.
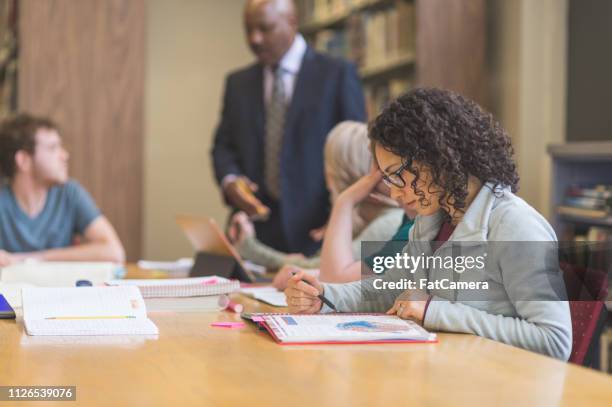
(267, 294)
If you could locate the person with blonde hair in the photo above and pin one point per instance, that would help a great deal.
(347, 159)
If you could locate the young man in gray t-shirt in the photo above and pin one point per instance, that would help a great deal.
(42, 212)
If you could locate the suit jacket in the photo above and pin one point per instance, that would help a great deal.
(327, 91)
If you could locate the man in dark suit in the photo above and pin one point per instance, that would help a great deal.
(275, 119)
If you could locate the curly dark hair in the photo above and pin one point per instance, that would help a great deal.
(451, 136)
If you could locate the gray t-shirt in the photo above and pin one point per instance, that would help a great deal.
(68, 211)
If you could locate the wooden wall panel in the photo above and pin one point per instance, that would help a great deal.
(450, 46)
(82, 63)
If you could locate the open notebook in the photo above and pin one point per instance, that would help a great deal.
(85, 311)
(297, 329)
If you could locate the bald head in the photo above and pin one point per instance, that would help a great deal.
(284, 7)
(270, 27)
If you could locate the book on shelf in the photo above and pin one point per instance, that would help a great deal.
(333, 42)
(581, 212)
(320, 10)
(378, 41)
(598, 191)
(591, 248)
(590, 202)
(594, 234)
(371, 38)
(406, 24)
(306, 11)
(599, 234)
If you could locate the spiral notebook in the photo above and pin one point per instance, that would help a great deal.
(337, 328)
(181, 287)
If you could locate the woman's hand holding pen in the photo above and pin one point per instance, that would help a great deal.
(286, 272)
(302, 294)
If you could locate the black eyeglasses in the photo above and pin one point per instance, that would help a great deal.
(395, 179)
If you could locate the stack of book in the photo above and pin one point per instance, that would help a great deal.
(183, 294)
(587, 202)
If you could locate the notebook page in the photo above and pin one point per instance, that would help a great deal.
(40, 303)
(91, 327)
(268, 294)
(344, 328)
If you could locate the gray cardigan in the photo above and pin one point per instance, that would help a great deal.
(505, 313)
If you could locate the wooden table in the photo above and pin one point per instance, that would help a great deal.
(193, 364)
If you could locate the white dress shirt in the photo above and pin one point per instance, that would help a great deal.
(290, 64)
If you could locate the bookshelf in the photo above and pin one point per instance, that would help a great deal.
(399, 44)
(8, 57)
(578, 163)
(336, 14)
(387, 67)
(585, 164)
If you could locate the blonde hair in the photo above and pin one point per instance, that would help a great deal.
(348, 158)
(346, 153)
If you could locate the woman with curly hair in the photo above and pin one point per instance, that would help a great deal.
(448, 160)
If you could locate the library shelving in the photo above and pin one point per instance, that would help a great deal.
(399, 44)
(584, 164)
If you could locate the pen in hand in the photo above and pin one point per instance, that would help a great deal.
(320, 296)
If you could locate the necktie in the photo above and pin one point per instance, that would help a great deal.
(275, 124)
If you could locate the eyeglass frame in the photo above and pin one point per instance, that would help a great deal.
(397, 173)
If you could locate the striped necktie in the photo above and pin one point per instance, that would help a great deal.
(275, 124)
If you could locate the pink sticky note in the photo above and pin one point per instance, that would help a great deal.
(231, 325)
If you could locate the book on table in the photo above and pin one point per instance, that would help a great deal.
(85, 311)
